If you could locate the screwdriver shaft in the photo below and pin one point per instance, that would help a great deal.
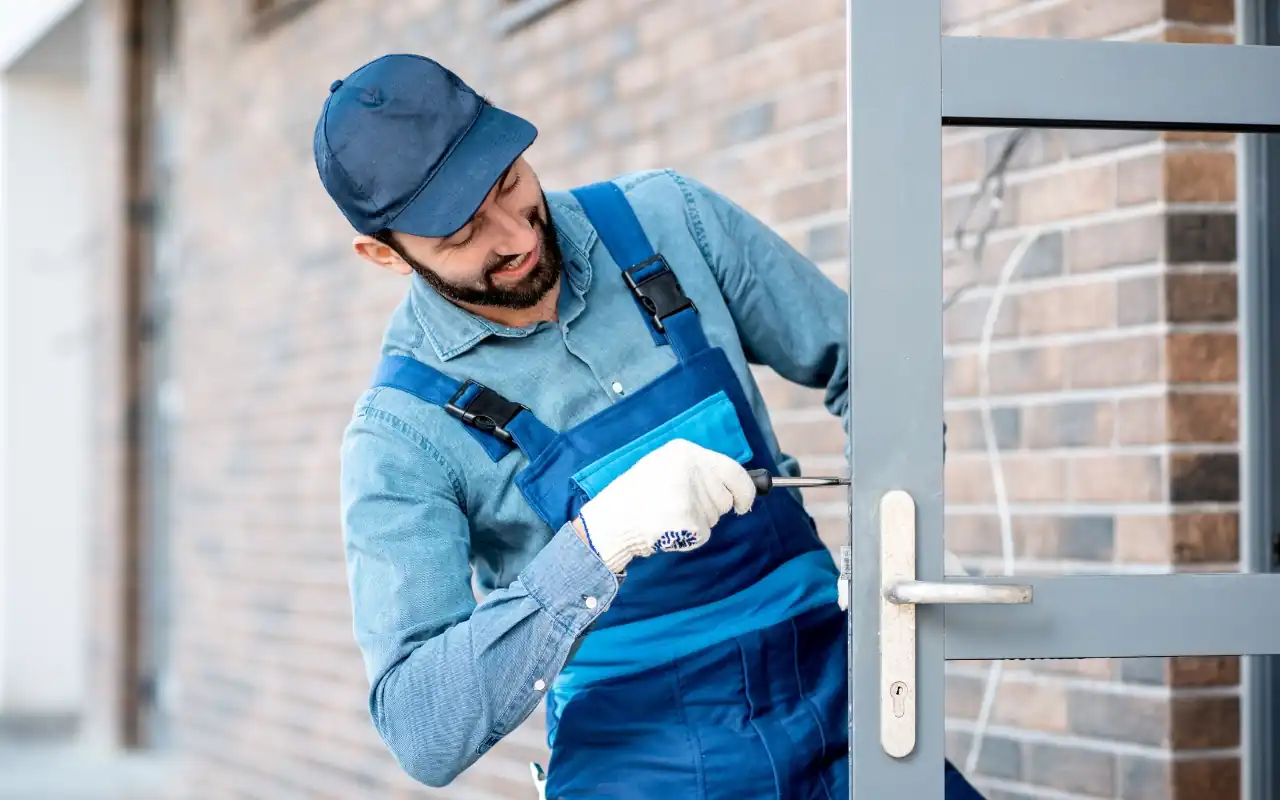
(809, 481)
(765, 482)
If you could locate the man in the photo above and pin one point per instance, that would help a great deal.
(564, 413)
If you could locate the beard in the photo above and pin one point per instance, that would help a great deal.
(524, 294)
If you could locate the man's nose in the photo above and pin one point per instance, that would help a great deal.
(518, 235)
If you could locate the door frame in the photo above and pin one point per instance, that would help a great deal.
(1258, 201)
(905, 77)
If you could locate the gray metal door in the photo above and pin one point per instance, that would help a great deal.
(907, 81)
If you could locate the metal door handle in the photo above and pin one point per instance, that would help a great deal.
(928, 593)
(900, 594)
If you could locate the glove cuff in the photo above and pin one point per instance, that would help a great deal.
(615, 549)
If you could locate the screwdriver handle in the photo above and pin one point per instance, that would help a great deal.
(762, 479)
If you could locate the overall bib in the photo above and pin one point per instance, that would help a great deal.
(719, 672)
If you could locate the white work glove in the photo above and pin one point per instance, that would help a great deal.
(667, 501)
(951, 565)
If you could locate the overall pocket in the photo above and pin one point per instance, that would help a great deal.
(712, 423)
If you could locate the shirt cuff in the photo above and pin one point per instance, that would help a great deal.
(570, 581)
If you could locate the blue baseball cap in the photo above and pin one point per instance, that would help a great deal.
(403, 143)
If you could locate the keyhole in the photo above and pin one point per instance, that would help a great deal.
(898, 694)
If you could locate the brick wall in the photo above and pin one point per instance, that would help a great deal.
(1111, 375)
(1113, 367)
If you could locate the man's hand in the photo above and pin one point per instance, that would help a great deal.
(668, 501)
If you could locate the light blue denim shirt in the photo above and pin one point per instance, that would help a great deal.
(425, 511)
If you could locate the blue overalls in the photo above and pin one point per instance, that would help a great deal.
(716, 673)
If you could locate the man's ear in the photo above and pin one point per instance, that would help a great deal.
(378, 254)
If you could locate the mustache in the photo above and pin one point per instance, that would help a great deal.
(502, 262)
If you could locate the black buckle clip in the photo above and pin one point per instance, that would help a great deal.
(488, 411)
(660, 293)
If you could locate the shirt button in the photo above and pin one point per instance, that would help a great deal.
(539, 685)
(617, 387)
(591, 602)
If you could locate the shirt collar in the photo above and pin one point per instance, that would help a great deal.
(452, 331)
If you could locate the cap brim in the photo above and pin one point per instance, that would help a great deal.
(460, 186)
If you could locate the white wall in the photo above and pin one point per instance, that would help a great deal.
(45, 331)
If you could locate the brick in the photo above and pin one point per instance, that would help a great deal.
(809, 199)
(1006, 428)
(1065, 195)
(968, 480)
(964, 697)
(1207, 777)
(1035, 148)
(964, 321)
(1078, 307)
(1087, 538)
(1043, 258)
(824, 149)
(812, 101)
(1141, 420)
(1200, 176)
(1070, 424)
(1036, 706)
(1204, 477)
(962, 162)
(1035, 538)
(1179, 34)
(738, 34)
(782, 20)
(973, 534)
(749, 123)
(661, 22)
(960, 376)
(1144, 778)
(1099, 668)
(1140, 301)
(956, 12)
(828, 241)
(1035, 478)
(1205, 538)
(690, 50)
(1200, 671)
(638, 75)
(1140, 240)
(1078, 538)
(1032, 369)
(1203, 722)
(1069, 769)
(1200, 237)
(1207, 297)
(1143, 539)
(1196, 417)
(1115, 478)
(1140, 180)
(1202, 12)
(1145, 671)
(1089, 141)
(1080, 21)
(1122, 362)
(1143, 720)
(1000, 758)
(825, 437)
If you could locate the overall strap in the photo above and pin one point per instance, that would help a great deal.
(668, 311)
(495, 422)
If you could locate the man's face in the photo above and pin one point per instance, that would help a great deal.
(507, 255)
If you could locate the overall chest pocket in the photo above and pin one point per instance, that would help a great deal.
(713, 423)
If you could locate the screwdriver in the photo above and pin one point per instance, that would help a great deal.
(764, 481)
